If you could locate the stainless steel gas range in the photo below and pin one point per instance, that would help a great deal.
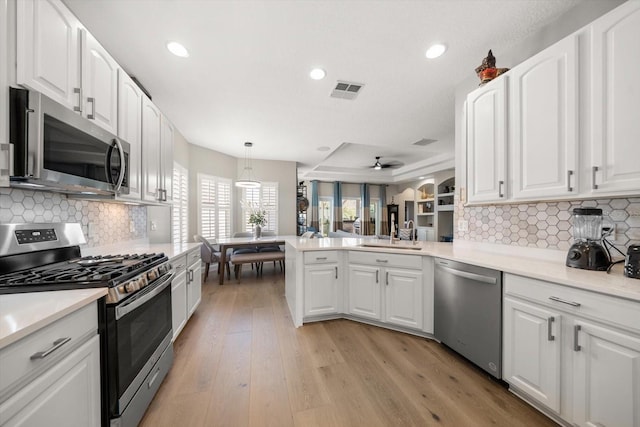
(135, 317)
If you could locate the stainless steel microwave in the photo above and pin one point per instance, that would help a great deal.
(54, 148)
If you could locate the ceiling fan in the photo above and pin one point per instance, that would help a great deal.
(378, 166)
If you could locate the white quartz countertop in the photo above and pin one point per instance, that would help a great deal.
(171, 250)
(23, 314)
(536, 263)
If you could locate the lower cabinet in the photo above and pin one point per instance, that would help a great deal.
(179, 302)
(365, 295)
(194, 282)
(403, 297)
(574, 352)
(322, 283)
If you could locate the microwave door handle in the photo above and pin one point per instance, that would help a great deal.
(123, 167)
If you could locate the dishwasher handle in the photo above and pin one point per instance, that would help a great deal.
(471, 276)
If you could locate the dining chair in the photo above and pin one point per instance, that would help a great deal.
(209, 256)
(274, 248)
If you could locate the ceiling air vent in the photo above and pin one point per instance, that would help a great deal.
(425, 141)
(346, 90)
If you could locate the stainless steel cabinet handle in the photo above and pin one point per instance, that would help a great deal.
(382, 260)
(321, 258)
(550, 321)
(377, 276)
(78, 108)
(500, 185)
(92, 116)
(179, 266)
(387, 278)
(190, 276)
(56, 345)
(564, 301)
(336, 272)
(594, 170)
(576, 330)
(569, 174)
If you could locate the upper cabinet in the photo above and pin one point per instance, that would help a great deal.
(4, 96)
(543, 106)
(157, 161)
(130, 127)
(166, 158)
(48, 54)
(552, 153)
(615, 124)
(486, 142)
(99, 84)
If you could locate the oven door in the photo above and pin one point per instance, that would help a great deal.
(138, 331)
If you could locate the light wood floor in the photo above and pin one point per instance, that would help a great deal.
(240, 362)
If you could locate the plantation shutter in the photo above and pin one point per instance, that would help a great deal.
(214, 200)
(180, 209)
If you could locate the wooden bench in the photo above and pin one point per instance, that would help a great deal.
(258, 258)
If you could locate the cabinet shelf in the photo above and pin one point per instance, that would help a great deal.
(445, 194)
(425, 214)
(445, 208)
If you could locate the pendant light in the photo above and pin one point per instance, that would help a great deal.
(247, 180)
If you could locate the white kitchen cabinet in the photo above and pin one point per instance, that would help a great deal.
(487, 142)
(166, 158)
(179, 299)
(531, 344)
(615, 126)
(596, 344)
(130, 128)
(52, 376)
(4, 95)
(322, 283)
(606, 376)
(99, 84)
(194, 281)
(48, 51)
(543, 113)
(365, 295)
(403, 297)
(151, 184)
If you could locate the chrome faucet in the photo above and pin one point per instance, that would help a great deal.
(413, 231)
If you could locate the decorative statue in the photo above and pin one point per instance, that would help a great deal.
(487, 71)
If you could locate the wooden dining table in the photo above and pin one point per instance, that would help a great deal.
(244, 242)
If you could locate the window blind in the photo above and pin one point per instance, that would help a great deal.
(180, 209)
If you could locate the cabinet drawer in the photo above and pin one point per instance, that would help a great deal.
(16, 360)
(179, 264)
(193, 257)
(320, 257)
(386, 260)
(605, 308)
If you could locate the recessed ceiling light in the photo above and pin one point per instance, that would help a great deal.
(324, 148)
(317, 74)
(177, 49)
(421, 177)
(436, 50)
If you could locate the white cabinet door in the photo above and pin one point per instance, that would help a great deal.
(151, 184)
(486, 142)
(130, 127)
(543, 106)
(615, 124)
(67, 394)
(48, 53)
(166, 158)
(4, 96)
(320, 289)
(194, 287)
(179, 302)
(606, 376)
(531, 348)
(403, 297)
(365, 298)
(99, 84)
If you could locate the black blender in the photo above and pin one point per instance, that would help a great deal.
(588, 251)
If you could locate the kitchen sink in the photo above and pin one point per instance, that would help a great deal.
(390, 246)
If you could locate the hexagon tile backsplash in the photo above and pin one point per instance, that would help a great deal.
(107, 222)
(546, 225)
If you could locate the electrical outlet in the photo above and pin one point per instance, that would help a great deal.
(132, 227)
(90, 229)
(463, 225)
(154, 226)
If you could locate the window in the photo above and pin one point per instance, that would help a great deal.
(351, 214)
(325, 215)
(180, 209)
(214, 207)
(265, 197)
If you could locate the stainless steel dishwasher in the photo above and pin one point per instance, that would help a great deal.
(468, 312)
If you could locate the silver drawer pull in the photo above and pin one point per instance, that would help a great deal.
(321, 258)
(377, 276)
(387, 278)
(56, 345)
(550, 336)
(336, 272)
(576, 330)
(594, 170)
(382, 260)
(564, 301)
(569, 174)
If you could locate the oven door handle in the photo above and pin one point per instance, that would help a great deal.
(128, 307)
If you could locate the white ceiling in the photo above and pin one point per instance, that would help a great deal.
(247, 78)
